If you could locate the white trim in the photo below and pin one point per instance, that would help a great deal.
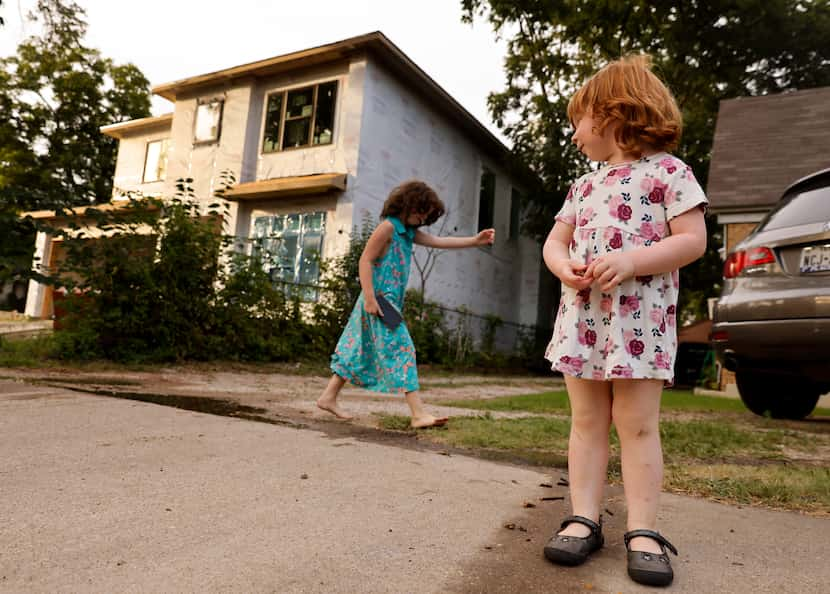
(742, 217)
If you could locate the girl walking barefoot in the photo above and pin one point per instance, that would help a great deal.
(617, 244)
(370, 353)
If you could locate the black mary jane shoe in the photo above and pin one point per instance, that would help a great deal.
(648, 568)
(574, 550)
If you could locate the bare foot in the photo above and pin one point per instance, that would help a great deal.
(428, 421)
(331, 406)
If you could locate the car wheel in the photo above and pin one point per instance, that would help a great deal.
(777, 395)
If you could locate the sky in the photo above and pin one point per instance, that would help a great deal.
(174, 39)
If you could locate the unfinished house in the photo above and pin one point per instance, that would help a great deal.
(316, 140)
(762, 145)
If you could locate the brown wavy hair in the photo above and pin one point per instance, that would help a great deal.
(413, 197)
(628, 92)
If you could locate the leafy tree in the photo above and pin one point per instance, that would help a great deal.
(55, 94)
(705, 51)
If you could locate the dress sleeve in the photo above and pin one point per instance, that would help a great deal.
(683, 193)
(567, 214)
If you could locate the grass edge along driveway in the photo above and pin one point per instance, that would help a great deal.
(713, 446)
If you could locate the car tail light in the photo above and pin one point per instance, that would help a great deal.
(733, 265)
(719, 336)
(737, 261)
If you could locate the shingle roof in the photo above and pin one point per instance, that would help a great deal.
(763, 144)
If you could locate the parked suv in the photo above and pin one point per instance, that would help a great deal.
(772, 321)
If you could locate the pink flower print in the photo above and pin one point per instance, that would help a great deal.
(670, 197)
(675, 278)
(656, 315)
(668, 164)
(659, 230)
(671, 315)
(628, 304)
(647, 184)
(624, 212)
(606, 304)
(662, 361)
(585, 234)
(624, 371)
(658, 193)
(646, 280)
(586, 216)
(647, 230)
(614, 204)
(570, 365)
(597, 374)
(583, 295)
(570, 195)
(586, 336)
(609, 347)
(635, 347)
(658, 318)
(616, 241)
(586, 190)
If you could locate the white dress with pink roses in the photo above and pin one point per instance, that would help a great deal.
(630, 331)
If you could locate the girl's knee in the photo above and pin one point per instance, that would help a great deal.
(635, 427)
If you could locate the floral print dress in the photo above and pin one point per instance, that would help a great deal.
(369, 354)
(630, 331)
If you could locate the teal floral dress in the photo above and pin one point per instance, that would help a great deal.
(369, 354)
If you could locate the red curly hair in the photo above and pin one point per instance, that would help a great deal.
(413, 197)
(628, 92)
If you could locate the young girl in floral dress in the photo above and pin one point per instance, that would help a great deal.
(624, 231)
(369, 353)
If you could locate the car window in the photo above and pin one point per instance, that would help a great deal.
(811, 206)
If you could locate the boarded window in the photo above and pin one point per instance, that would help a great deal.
(208, 121)
(155, 161)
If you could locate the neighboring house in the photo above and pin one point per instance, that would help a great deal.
(762, 145)
(317, 139)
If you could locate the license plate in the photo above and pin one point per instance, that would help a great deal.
(815, 258)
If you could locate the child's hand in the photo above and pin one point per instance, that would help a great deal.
(611, 270)
(370, 304)
(486, 237)
(572, 273)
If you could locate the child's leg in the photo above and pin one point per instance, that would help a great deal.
(420, 418)
(587, 448)
(328, 400)
(636, 414)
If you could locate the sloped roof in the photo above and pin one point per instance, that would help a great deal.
(763, 144)
(376, 44)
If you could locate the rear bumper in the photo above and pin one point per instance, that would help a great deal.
(800, 346)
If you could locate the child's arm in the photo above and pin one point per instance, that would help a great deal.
(686, 244)
(558, 258)
(485, 237)
(375, 247)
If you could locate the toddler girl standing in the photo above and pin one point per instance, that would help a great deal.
(369, 354)
(617, 244)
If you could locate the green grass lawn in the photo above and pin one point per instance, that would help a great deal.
(737, 458)
(557, 403)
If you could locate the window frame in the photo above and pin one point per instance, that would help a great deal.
(200, 103)
(308, 291)
(162, 153)
(492, 210)
(283, 112)
(516, 196)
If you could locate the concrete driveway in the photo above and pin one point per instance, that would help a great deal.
(101, 494)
